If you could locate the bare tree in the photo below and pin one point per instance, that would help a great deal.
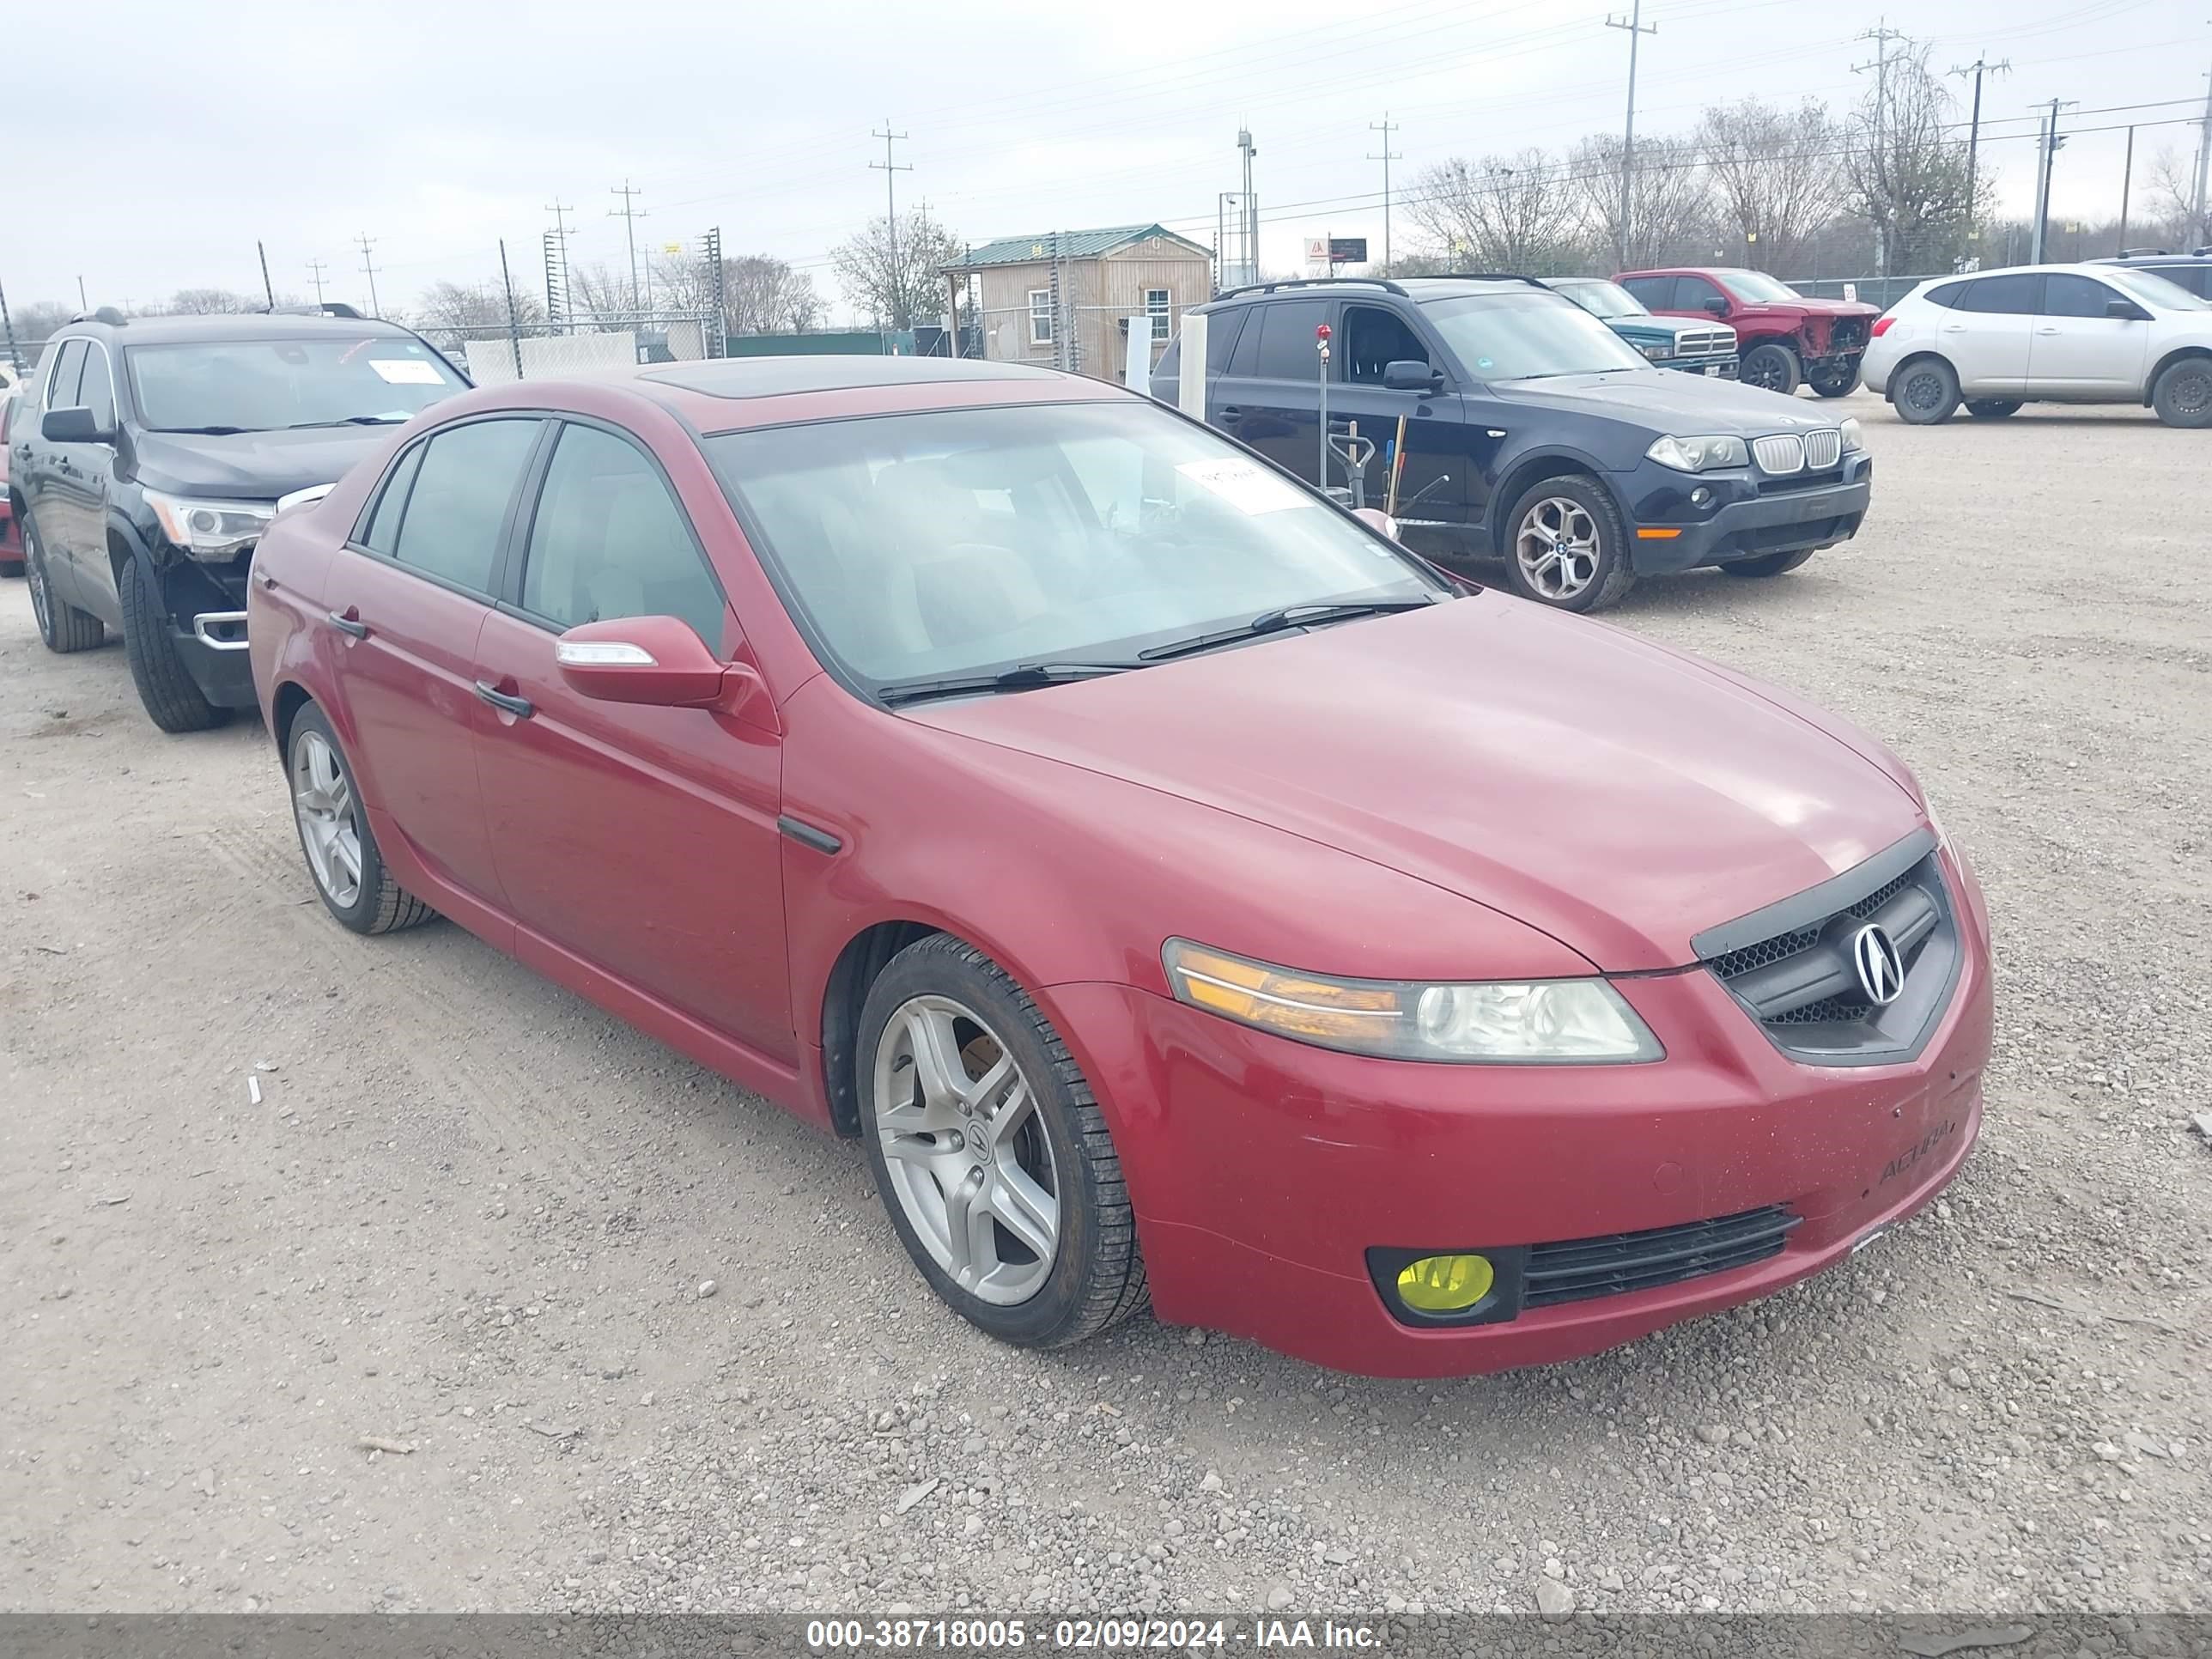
(1670, 199)
(213, 302)
(1908, 168)
(33, 322)
(761, 293)
(1502, 213)
(1775, 180)
(597, 289)
(898, 293)
(479, 307)
(2171, 199)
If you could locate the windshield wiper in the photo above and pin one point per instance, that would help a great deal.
(1289, 616)
(1022, 677)
(210, 431)
(351, 419)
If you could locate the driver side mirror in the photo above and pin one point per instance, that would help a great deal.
(72, 425)
(2127, 311)
(1717, 305)
(1410, 374)
(654, 660)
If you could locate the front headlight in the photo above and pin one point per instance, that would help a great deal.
(1532, 1021)
(1853, 438)
(1698, 454)
(209, 530)
(1659, 352)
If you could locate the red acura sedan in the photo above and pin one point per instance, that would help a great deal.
(1183, 893)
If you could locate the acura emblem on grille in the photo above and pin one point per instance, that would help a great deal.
(1881, 970)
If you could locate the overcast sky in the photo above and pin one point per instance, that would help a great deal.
(153, 142)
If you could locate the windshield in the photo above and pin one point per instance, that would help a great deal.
(1604, 299)
(1758, 288)
(2153, 289)
(1519, 335)
(264, 385)
(960, 541)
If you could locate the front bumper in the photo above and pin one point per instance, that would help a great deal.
(1721, 369)
(206, 606)
(1264, 1170)
(1738, 521)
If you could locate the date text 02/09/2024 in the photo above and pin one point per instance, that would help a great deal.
(1011, 1635)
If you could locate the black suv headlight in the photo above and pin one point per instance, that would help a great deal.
(210, 530)
(1698, 454)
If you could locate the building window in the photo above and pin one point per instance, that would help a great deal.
(1040, 316)
(1157, 308)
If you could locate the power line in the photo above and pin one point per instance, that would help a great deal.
(1386, 126)
(630, 213)
(1635, 25)
(368, 269)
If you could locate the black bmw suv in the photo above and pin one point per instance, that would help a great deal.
(151, 453)
(1533, 432)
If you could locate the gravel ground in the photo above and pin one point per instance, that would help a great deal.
(474, 1221)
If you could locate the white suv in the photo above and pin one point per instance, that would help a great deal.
(2072, 334)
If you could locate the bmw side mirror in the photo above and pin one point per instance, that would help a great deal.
(2126, 310)
(655, 660)
(72, 425)
(1410, 374)
(1717, 305)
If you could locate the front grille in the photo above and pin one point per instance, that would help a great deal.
(1798, 976)
(1823, 448)
(1582, 1269)
(1783, 452)
(1713, 343)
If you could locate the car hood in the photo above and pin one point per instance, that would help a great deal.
(1615, 794)
(1662, 400)
(253, 465)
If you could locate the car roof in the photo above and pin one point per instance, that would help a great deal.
(774, 377)
(233, 326)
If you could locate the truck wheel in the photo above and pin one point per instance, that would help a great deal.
(165, 685)
(1925, 393)
(1992, 409)
(1772, 367)
(1835, 382)
(2182, 394)
(1773, 564)
(1566, 544)
(63, 627)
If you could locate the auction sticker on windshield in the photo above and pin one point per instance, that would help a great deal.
(1245, 485)
(406, 371)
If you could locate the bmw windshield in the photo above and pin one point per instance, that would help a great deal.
(1525, 333)
(1015, 540)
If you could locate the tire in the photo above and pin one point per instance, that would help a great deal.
(1772, 564)
(166, 686)
(63, 627)
(1834, 384)
(1594, 572)
(2182, 394)
(1993, 408)
(315, 763)
(1771, 368)
(1924, 392)
(1042, 1137)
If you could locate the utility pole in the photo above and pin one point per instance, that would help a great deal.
(2050, 146)
(890, 168)
(1386, 126)
(1881, 35)
(2203, 164)
(1636, 27)
(315, 275)
(368, 269)
(8, 326)
(630, 213)
(82, 304)
(1251, 206)
(267, 288)
(2127, 179)
(1978, 67)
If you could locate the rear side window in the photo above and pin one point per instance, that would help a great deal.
(457, 506)
(62, 378)
(1289, 349)
(1947, 295)
(609, 540)
(2065, 294)
(2014, 296)
(382, 535)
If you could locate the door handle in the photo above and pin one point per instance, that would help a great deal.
(347, 622)
(1954, 328)
(1230, 412)
(520, 707)
(2046, 331)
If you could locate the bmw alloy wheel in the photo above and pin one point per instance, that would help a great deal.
(323, 801)
(1557, 548)
(967, 1158)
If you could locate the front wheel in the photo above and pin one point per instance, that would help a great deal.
(172, 698)
(1835, 382)
(991, 1151)
(2182, 394)
(1566, 544)
(1925, 393)
(1771, 368)
(1992, 409)
(1772, 564)
(63, 627)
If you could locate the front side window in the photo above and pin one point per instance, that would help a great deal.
(279, 385)
(1526, 334)
(1374, 338)
(2065, 294)
(959, 542)
(1158, 307)
(457, 506)
(609, 540)
(1040, 316)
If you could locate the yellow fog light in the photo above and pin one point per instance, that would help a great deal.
(1445, 1284)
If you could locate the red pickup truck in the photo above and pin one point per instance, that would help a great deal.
(1787, 340)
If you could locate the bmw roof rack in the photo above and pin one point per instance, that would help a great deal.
(1484, 277)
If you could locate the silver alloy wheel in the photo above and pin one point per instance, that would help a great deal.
(1557, 548)
(322, 800)
(34, 578)
(969, 1159)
